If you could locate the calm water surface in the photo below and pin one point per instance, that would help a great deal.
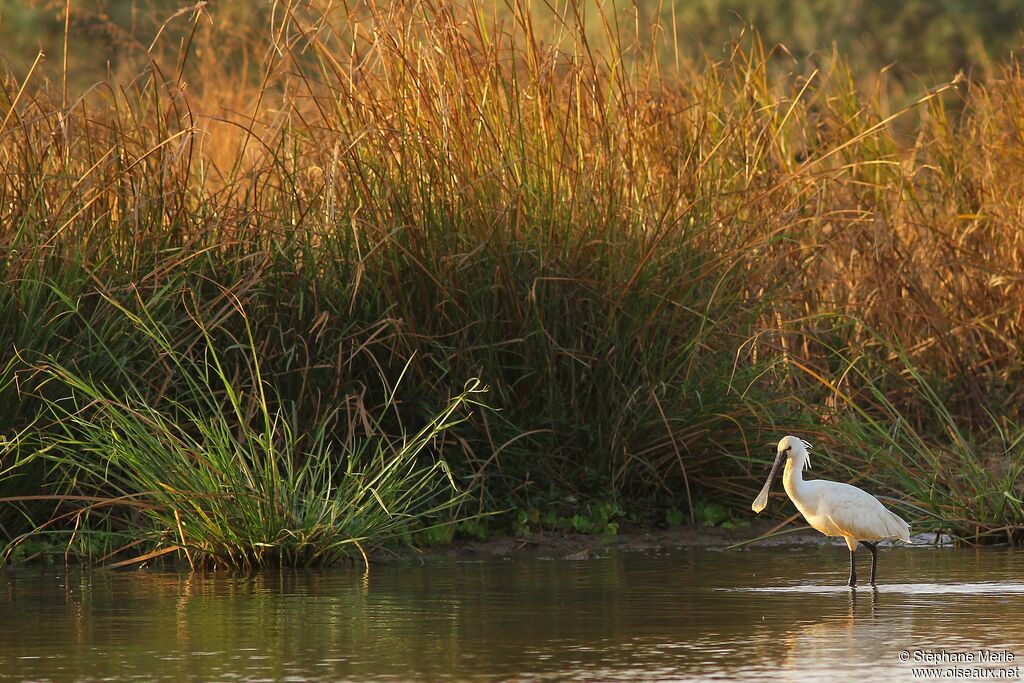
(772, 614)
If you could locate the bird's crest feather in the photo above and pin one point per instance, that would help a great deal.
(807, 461)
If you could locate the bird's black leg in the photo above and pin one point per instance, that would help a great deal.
(853, 572)
(873, 547)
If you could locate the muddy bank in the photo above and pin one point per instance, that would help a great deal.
(552, 544)
(556, 545)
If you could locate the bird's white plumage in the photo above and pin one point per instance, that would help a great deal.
(834, 508)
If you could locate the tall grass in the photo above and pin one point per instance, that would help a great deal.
(656, 268)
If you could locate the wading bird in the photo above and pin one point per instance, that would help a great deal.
(833, 508)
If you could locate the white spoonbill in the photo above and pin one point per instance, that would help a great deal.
(833, 508)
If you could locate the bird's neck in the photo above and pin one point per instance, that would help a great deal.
(792, 478)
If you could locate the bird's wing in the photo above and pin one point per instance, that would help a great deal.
(843, 526)
(861, 516)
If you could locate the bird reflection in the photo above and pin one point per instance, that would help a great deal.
(873, 602)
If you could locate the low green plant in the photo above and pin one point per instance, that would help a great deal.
(598, 518)
(711, 513)
(674, 517)
(476, 529)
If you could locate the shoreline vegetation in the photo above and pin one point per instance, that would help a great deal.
(395, 272)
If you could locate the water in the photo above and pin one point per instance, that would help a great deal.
(771, 614)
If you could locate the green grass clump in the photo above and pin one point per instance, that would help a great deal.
(222, 474)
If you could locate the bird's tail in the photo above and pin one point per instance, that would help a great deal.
(897, 527)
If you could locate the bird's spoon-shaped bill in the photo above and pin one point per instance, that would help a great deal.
(762, 498)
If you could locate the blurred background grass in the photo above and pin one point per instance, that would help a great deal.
(913, 40)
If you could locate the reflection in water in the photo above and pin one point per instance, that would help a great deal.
(982, 588)
(762, 614)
